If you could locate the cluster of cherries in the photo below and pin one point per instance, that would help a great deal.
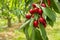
(38, 11)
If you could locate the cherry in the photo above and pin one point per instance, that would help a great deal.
(34, 5)
(35, 23)
(35, 10)
(28, 16)
(31, 11)
(44, 24)
(42, 20)
(43, 5)
(40, 11)
(48, 2)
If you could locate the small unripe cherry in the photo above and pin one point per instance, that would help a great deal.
(35, 23)
(43, 5)
(34, 5)
(28, 16)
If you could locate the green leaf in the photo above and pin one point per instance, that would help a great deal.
(26, 31)
(54, 5)
(36, 16)
(24, 24)
(43, 32)
(48, 12)
(50, 22)
(35, 1)
(30, 27)
(45, 1)
(27, 3)
(36, 35)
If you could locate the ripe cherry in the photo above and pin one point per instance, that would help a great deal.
(44, 24)
(40, 11)
(48, 1)
(35, 23)
(35, 10)
(42, 20)
(31, 11)
(34, 5)
(28, 16)
(43, 5)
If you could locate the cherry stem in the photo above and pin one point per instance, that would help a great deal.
(41, 2)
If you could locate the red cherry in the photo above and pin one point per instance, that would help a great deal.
(34, 5)
(35, 10)
(40, 11)
(44, 24)
(43, 5)
(28, 16)
(35, 23)
(31, 11)
(41, 20)
(48, 2)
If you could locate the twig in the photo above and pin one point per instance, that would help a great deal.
(41, 2)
